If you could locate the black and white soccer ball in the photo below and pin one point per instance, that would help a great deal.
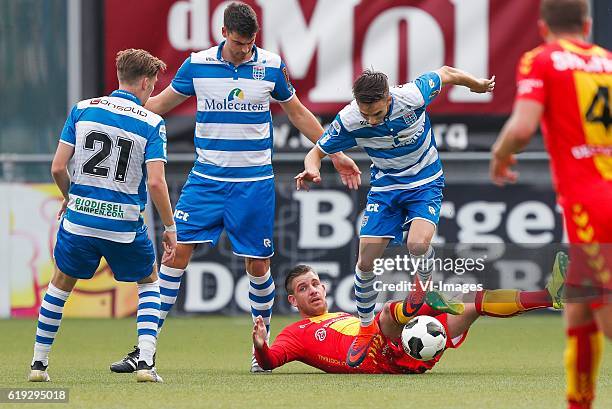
(424, 338)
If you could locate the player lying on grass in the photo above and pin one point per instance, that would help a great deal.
(321, 339)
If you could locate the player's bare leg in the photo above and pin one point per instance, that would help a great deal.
(169, 282)
(49, 320)
(261, 297)
(370, 249)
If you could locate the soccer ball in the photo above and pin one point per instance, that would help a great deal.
(423, 338)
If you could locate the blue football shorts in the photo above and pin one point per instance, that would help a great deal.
(389, 213)
(79, 256)
(244, 209)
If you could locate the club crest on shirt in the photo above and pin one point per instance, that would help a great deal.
(409, 117)
(259, 72)
(320, 334)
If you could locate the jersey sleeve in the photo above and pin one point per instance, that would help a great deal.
(530, 82)
(68, 135)
(336, 138)
(283, 90)
(156, 148)
(183, 80)
(286, 348)
(429, 85)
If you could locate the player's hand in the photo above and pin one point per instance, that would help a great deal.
(62, 210)
(500, 170)
(169, 244)
(308, 175)
(259, 333)
(484, 85)
(348, 170)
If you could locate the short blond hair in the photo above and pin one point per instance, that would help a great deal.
(133, 64)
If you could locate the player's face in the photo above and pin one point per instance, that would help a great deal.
(375, 112)
(309, 295)
(237, 48)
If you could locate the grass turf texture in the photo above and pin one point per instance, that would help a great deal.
(512, 363)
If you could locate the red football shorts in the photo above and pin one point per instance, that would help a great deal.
(588, 220)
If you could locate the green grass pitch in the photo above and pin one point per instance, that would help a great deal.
(512, 363)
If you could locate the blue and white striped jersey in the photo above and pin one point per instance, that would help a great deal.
(403, 147)
(233, 132)
(113, 138)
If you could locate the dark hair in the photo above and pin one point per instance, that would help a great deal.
(133, 64)
(240, 18)
(371, 86)
(294, 273)
(564, 16)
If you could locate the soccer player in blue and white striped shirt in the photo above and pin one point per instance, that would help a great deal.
(392, 126)
(117, 149)
(231, 185)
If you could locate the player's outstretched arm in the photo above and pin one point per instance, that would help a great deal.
(165, 101)
(158, 189)
(59, 171)
(312, 166)
(515, 135)
(455, 76)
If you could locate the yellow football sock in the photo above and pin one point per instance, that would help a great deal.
(398, 314)
(498, 303)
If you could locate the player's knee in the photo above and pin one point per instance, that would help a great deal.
(470, 311)
(577, 314)
(257, 267)
(419, 237)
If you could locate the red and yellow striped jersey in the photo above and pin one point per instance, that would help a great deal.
(573, 81)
